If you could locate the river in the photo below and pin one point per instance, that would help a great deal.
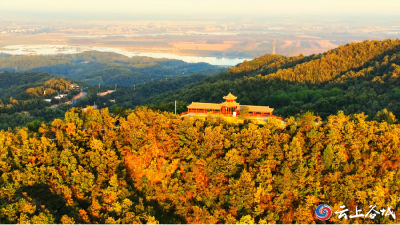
(64, 49)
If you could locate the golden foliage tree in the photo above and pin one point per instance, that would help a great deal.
(158, 167)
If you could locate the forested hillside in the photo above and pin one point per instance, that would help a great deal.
(355, 78)
(106, 68)
(22, 98)
(143, 166)
(131, 97)
(15, 84)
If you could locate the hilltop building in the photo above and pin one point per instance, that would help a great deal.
(229, 108)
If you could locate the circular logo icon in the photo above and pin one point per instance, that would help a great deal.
(323, 212)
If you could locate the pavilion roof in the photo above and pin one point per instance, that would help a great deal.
(230, 96)
(230, 104)
(200, 105)
(256, 108)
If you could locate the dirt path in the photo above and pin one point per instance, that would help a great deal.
(80, 95)
(106, 93)
(74, 99)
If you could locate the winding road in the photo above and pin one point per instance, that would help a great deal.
(78, 96)
(74, 99)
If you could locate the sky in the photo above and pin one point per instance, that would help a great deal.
(255, 8)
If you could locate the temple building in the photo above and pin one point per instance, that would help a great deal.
(230, 108)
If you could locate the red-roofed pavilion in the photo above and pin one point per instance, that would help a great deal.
(230, 108)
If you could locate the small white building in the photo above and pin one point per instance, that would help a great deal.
(72, 86)
(61, 96)
(48, 100)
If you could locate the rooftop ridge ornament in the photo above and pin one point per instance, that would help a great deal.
(230, 96)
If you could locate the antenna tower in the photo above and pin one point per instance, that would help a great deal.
(274, 45)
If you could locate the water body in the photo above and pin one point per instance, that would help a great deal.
(64, 49)
(157, 34)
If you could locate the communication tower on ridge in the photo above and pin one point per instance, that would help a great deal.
(274, 45)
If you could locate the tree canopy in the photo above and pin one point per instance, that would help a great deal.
(157, 167)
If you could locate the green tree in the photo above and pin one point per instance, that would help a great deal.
(385, 115)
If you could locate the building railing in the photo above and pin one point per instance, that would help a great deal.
(227, 114)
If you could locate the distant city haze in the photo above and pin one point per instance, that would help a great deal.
(189, 9)
(220, 32)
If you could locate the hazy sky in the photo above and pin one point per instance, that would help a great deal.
(255, 8)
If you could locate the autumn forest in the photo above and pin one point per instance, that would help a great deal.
(136, 161)
(148, 167)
